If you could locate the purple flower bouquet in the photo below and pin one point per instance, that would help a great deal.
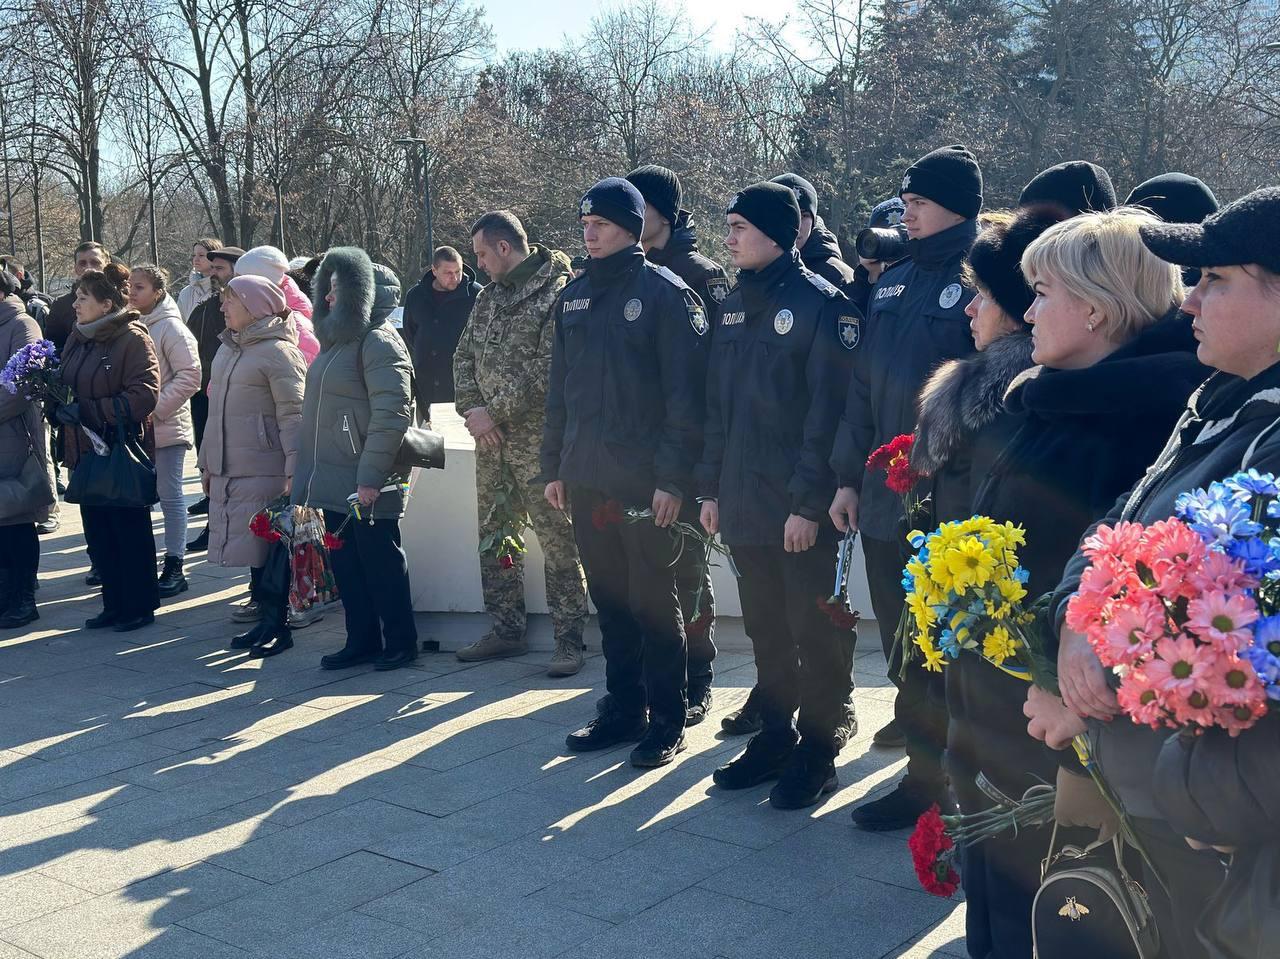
(34, 371)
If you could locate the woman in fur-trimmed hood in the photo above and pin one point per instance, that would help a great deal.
(357, 406)
(963, 426)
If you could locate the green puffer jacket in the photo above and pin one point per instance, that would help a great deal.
(354, 420)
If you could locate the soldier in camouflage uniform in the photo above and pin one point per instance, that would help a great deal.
(500, 373)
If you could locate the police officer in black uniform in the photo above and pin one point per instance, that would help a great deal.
(623, 431)
(670, 239)
(915, 321)
(819, 248)
(777, 382)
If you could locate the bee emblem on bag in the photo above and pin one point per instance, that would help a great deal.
(1075, 911)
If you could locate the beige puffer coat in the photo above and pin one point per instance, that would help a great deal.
(251, 439)
(179, 374)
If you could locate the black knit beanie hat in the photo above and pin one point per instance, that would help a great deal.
(772, 209)
(1077, 186)
(616, 200)
(949, 176)
(660, 188)
(1175, 198)
(996, 256)
(806, 194)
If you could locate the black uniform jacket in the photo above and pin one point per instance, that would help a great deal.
(779, 372)
(914, 322)
(628, 373)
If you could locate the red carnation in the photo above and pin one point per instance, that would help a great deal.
(932, 854)
(260, 526)
(606, 514)
(834, 610)
(882, 457)
(506, 562)
(332, 543)
(900, 476)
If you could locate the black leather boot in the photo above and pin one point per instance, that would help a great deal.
(20, 609)
(172, 580)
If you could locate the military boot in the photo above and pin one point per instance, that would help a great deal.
(492, 646)
(567, 659)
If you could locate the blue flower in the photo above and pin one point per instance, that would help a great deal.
(1251, 483)
(1266, 634)
(1021, 575)
(1223, 521)
(1192, 502)
(1273, 509)
(1267, 668)
(948, 643)
(1259, 558)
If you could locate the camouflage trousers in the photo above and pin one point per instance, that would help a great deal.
(504, 588)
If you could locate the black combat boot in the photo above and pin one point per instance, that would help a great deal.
(608, 730)
(172, 580)
(809, 775)
(20, 607)
(661, 744)
(765, 758)
(745, 721)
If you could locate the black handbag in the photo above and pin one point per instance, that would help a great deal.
(420, 448)
(1088, 905)
(125, 476)
(28, 492)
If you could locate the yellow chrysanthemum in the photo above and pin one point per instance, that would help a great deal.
(998, 645)
(932, 658)
(969, 564)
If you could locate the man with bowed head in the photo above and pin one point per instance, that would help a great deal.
(915, 320)
(776, 386)
(499, 376)
(623, 430)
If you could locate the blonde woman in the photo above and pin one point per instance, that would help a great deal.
(179, 381)
(1114, 365)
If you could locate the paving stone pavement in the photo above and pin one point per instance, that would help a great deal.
(162, 796)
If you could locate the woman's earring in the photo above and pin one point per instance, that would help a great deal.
(1089, 326)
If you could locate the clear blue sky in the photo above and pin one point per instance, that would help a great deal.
(525, 25)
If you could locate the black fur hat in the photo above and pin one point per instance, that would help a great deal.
(996, 256)
(1077, 186)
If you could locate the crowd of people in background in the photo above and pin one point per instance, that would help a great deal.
(1070, 361)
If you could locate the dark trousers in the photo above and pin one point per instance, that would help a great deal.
(373, 581)
(920, 707)
(801, 656)
(20, 551)
(122, 549)
(700, 635)
(199, 416)
(633, 586)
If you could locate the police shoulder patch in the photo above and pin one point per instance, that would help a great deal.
(849, 329)
(718, 287)
(697, 317)
(822, 284)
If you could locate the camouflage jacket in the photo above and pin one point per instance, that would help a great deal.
(504, 356)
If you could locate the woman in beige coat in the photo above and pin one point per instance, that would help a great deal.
(179, 380)
(255, 413)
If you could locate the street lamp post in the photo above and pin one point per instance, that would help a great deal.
(419, 142)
